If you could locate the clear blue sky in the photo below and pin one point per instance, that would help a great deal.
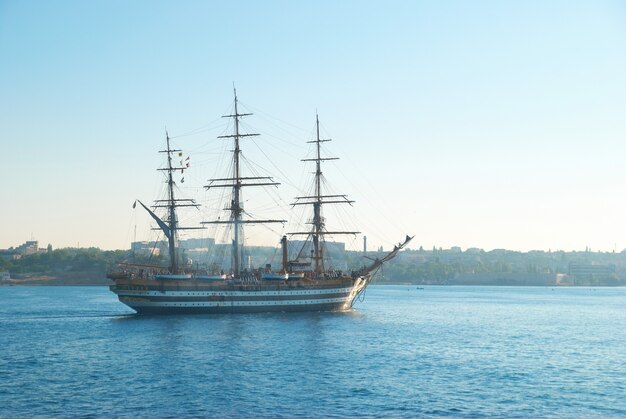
(476, 123)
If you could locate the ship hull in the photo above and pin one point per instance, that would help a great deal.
(199, 297)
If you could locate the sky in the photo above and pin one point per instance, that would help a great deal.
(465, 123)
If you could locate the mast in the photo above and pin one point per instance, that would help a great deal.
(236, 182)
(283, 244)
(318, 223)
(173, 222)
(318, 231)
(170, 226)
(236, 208)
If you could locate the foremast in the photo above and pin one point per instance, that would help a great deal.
(237, 182)
(318, 231)
(170, 226)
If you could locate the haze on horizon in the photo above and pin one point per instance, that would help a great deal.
(472, 124)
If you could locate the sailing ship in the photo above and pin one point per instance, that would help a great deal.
(304, 283)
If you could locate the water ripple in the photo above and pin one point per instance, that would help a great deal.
(440, 352)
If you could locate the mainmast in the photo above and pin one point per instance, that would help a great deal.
(236, 183)
(318, 232)
(318, 223)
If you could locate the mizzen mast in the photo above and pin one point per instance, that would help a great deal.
(237, 182)
(317, 200)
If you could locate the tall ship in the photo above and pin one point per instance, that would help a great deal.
(304, 282)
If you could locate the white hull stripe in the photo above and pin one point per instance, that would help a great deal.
(137, 302)
(144, 293)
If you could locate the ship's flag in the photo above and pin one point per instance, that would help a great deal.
(182, 180)
(187, 159)
(134, 204)
(180, 154)
(187, 164)
(182, 171)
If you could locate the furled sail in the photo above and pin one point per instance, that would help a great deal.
(161, 223)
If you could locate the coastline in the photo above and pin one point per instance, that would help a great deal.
(66, 282)
(55, 281)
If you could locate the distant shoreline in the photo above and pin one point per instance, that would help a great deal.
(54, 282)
(106, 283)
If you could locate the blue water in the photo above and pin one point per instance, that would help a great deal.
(404, 352)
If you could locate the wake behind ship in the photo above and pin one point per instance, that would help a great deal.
(305, 283)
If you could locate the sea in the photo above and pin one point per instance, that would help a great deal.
(404, 351)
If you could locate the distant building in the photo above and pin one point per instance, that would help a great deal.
(29, 248)
(145, 248)
(205, 243)
(148, 248)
